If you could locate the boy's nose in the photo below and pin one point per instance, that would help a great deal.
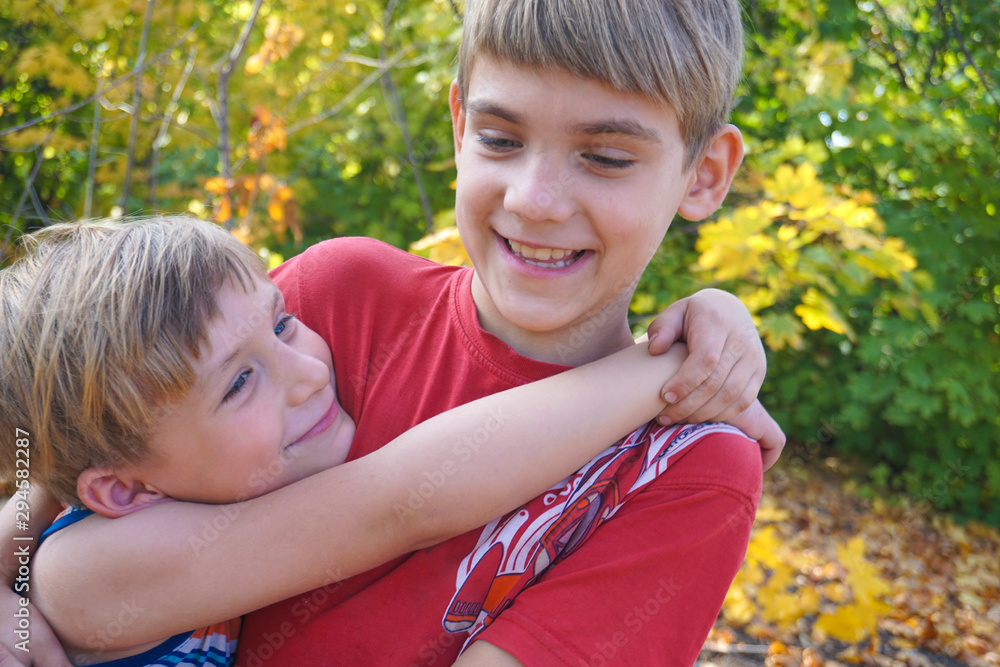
(541, 192)
(305, 376)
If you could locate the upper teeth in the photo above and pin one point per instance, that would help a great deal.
(543, 254)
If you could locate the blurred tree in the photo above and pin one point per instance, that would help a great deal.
(271, 118)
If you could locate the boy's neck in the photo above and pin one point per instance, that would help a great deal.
(604, 333)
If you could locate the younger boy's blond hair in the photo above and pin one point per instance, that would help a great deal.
(687, 54)
(99, 323)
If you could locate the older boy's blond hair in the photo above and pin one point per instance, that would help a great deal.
(100, 322)
(684, 53)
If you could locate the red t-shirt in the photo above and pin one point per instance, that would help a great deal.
(643, 589)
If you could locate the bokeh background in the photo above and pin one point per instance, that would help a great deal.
(862, 233)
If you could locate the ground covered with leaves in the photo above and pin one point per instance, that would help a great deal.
(834, 576)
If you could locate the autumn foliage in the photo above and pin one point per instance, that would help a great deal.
(832, 578)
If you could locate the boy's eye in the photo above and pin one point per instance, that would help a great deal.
(282, 324)
(237, 385)
(496, 143)
(605, 162)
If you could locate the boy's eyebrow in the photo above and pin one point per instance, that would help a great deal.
(485, 107)
(625, 127)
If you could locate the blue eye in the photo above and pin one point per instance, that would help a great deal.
(282, 324)
(237, 385)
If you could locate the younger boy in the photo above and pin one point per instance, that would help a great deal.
(581, 128)
(163, 367)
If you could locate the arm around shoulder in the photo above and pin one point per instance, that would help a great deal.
(347, 519)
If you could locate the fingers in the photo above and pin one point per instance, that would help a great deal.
(711, 388)
(771, 446)
(45, 647)
(760, 426)
(724, 406)
(667, 328)
(705, 353)
(7, 658)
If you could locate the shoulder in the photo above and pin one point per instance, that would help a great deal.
(717, 455)
(350, 254)
(367, 266)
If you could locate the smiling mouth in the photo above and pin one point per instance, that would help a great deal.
(324, 423)
(546, 258)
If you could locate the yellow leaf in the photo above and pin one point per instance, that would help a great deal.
(216, 185)
(224, 211)
(764, 547)
(848, 623)
(768, 511)
(738, 609)
(799, 187)
(643, 303)
(787, 233)
(49, 62)
(254, 64)
(276, 209)
(444, 247)
(817, 312)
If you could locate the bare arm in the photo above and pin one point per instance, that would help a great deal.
(187, 565)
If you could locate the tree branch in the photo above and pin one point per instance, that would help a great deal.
(166, 121)
(221, 107)
(349, 97)
(133, 129)
(398, 115)
(39, 152)
(100, 93)
(968, 56)
(95, 134)
(38, 205)
(895, 63)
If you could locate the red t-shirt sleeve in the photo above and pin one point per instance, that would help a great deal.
(647, 586)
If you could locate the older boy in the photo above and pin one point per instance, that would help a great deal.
(581, 128)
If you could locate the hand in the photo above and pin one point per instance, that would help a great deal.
(726, 363)
(760, 426)
(44, 649)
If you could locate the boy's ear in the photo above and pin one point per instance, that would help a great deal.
(113, 494)
(713, 174)
(457, 116)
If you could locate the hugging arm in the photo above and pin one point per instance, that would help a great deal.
(42, 647)
(163, 563)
